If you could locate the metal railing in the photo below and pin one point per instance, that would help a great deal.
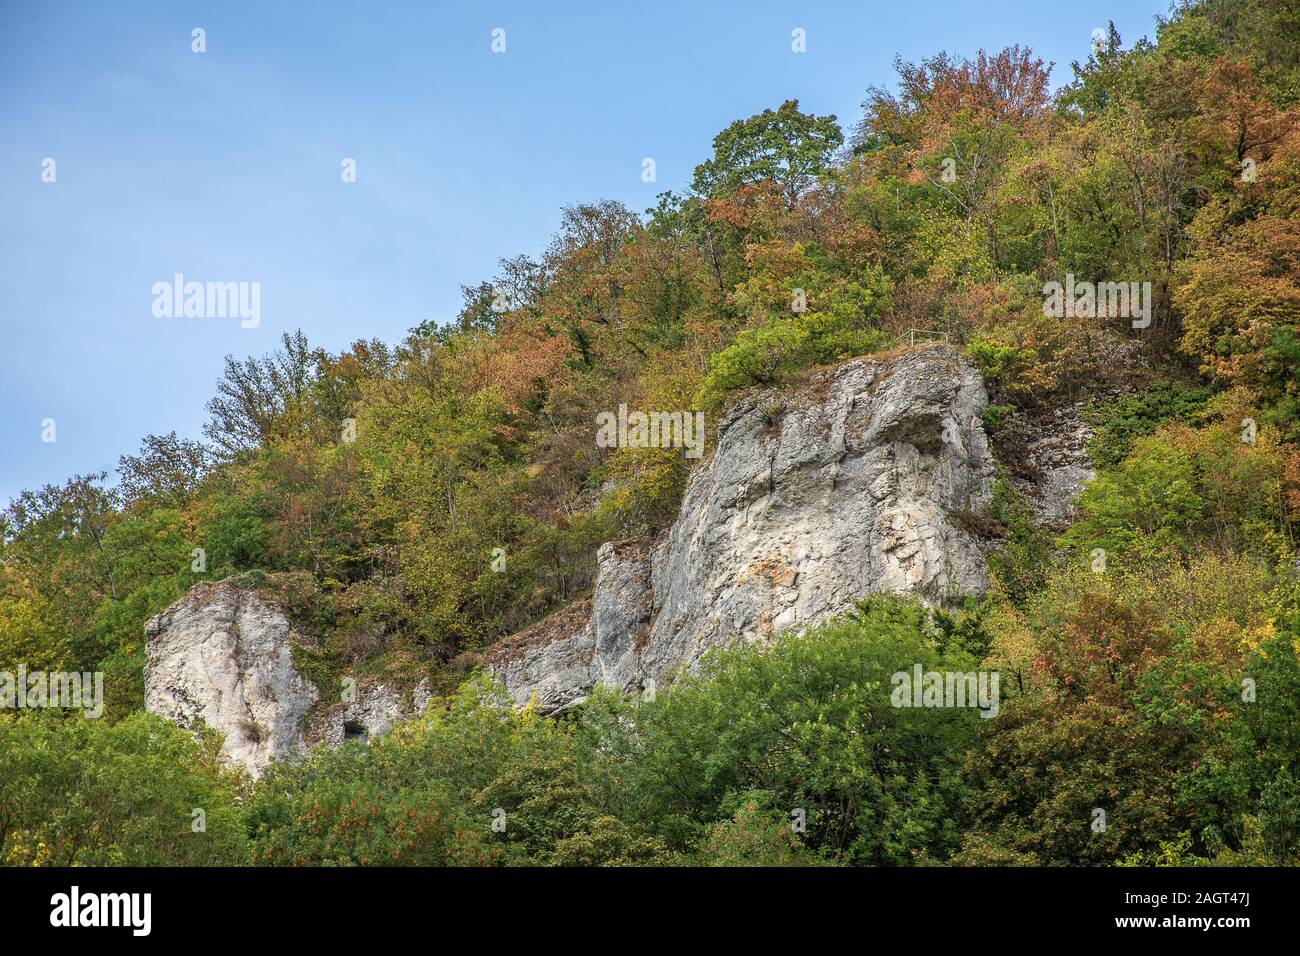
(912, 333)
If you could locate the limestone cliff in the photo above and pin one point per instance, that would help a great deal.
(222, 656)
(813, 498)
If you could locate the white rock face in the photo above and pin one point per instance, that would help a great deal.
(555, 662)
(221, 655)
(374, 710)
(813, 499)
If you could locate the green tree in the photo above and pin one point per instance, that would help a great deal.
(82, 792)
(783, 146)
(808, 721)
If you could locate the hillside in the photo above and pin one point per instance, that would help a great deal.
(994, 380)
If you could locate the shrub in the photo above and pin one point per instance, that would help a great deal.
(808, 721)
(81, 792)
(779, 347)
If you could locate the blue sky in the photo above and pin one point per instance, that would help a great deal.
(225, 165)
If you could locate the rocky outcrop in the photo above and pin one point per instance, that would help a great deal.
(365, 710)
(555, 663)
(813, 498)
(222, 657)
(851, 483)
(1057, 453)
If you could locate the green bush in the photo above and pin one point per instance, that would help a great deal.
(430, 791)
(1147, 507)
(756, 835)
(808, 721)
(779, 347)
(1117, 422)
(82, 792)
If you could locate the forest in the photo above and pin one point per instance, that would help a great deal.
(369, 490)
